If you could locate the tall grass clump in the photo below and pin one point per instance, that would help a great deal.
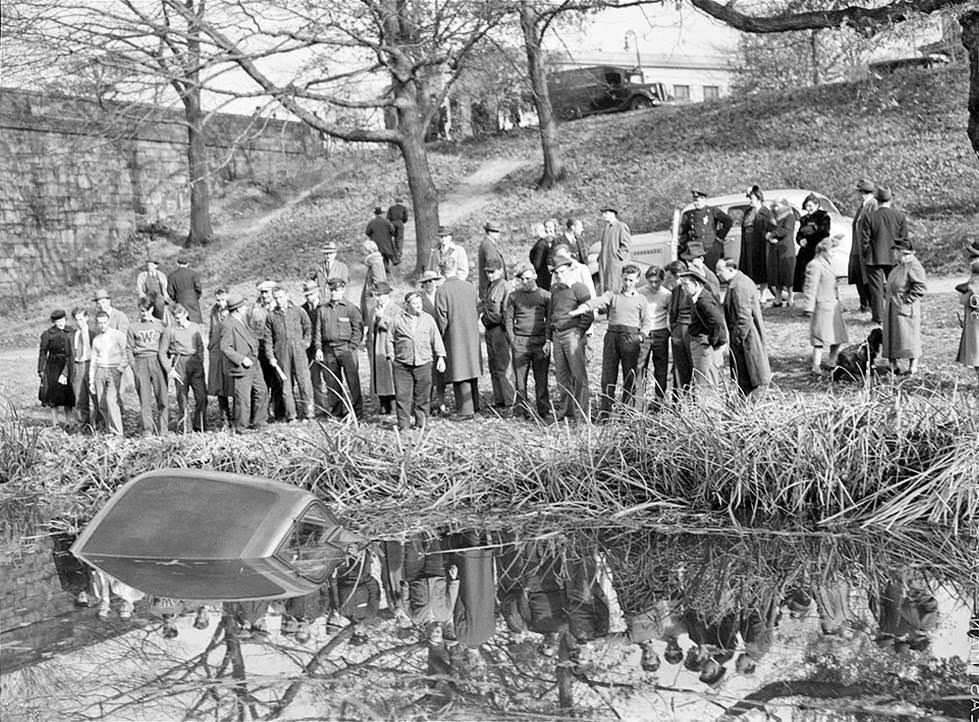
(887, 459)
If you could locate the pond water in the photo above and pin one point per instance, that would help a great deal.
(603, 623)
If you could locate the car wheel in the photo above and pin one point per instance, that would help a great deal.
(573, 113)
(640, 102)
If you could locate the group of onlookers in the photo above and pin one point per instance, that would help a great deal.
(679, 321)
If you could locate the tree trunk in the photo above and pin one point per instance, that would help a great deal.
(424, 198)
(200, 199)
(814, 56)
(565, 678)
(554, 170)
(970, 39)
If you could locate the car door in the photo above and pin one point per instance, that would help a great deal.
(612, 97)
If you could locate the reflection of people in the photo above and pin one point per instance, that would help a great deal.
(756, 625)
(473, 616)
(419, 585)
(105, 586)
(355, 594)
(75, 576)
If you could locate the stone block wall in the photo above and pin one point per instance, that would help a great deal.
(77, 178)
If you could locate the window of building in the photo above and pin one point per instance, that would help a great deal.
(711, 92)
(681, 92)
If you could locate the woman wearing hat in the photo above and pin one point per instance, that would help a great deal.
(781, 252)
(814, 226)
(822, 305)
(54, 368)
(755, 224)
(969, 345)
(902, 321)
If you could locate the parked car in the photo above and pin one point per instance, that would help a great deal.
(578, 92)
(209, 535)
(659, 247)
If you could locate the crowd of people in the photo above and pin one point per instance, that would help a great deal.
(293, 361)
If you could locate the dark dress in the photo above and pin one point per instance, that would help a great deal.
(54, 359)
(813, 227)
(781, 254)
(754, 247)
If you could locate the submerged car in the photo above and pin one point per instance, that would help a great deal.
(659, 247)
(209, 535)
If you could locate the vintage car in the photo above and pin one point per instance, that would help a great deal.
(659, 247)
(579, 92)
(210, 535)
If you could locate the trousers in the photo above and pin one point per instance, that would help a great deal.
(251, 400)
(342, 369)
(190, 377)
(108, 382)
(620, 350)
(528, 355)
(412, 393)
(571, 373)
(151, 388)
(682, 361)
(655, 349)
(877, 291)
(85, 403)
(298, 381)
(498, 356)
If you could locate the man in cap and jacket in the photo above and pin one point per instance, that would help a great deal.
(383, 233)
(336, 339)
(707, 330)
(311, 305)
(290, 331)
(457, 316)
(614, 252)
(879, 229)
(242, 349)
(444, 249)
(856, 270)
(398, 215)
(329, 268)
(492, 309)
(703, 229)
(184, 287)
(489, 249)
(429, 283)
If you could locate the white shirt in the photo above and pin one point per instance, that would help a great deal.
(657, 308)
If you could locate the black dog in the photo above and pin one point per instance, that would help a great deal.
(854, 363)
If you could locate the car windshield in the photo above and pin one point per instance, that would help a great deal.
(737, 213)
(314, 547)
(826, 204)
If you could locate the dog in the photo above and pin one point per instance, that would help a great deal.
(854, 363)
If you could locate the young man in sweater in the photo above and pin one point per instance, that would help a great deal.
(143, 350)
(525, 323)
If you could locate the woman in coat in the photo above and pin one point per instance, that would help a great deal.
(969, 345)
(755, 224)
(55, 368)
(813, 227)
(218, 382)
(375, 274)
(378, 324)
(902, 323)
(822, 305)
(781, 252)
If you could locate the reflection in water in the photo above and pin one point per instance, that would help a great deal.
(694, 625)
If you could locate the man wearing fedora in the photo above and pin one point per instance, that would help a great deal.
(117, 319)
(444, 249)
(879, 229)
(383, 233)
(702, 230)
(856, 270)
(241, 349)
(457, 317)
(750, 367)
(489, 249)
(614, 252)
(429, 283)
(329, 268)
(707, 331)
(152, 284)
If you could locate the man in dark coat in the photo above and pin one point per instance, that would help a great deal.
(184, 287)
(317, 373)
(878, 230)
(489, 250)
(492, 308)
(856, 272)
(746, 329)
(398, 215)
(336, 338)
(384, 234)
(708, 330)
(241, 349)
(457, 316)
(702, 230)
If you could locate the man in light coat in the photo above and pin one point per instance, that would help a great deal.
(615, 251)
(443, 250)
(746, 330)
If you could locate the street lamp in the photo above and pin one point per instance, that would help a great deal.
(635, 39)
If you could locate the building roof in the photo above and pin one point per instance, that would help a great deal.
(648, 60)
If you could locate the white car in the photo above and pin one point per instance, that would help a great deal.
(659, 247)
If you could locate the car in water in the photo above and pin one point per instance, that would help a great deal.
(578, 92)
(189, 534)
(659, 247)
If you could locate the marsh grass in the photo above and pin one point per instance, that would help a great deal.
(881, 459)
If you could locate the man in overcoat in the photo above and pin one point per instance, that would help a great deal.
(184, 287)
(152, 284)
(241, 349)
(443, 250)
(398, 215)
(457, 316)
(329, 268)
(615, 251)
(879, 229)
(746, 329)
(856, 271)
(702, 230)
(383, 233)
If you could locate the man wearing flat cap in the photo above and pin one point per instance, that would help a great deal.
(702, 230)
(383, 233)
(707, 331)
(336, 338)
(489, 249)
(329, 268)
(879, 229)
(615, 250)
(444, 249)
(242, 350)
(856, 270)
(492, 308)
(311, 305)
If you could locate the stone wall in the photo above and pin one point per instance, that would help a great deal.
(77, 178)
